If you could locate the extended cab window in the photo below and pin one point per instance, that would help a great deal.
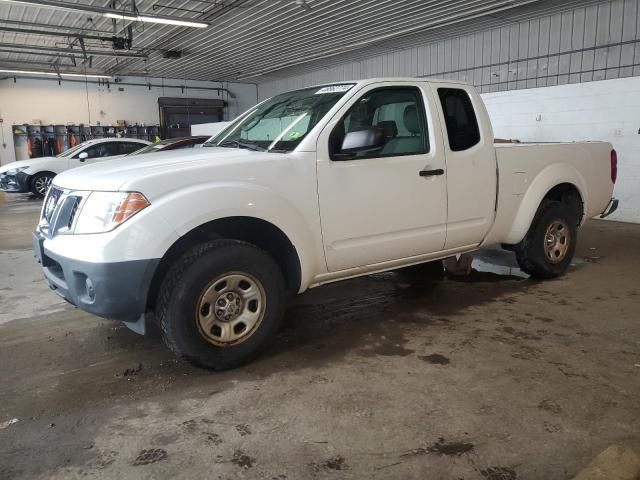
(460, 118)
(382, 123)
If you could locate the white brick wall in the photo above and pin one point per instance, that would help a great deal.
(606, 110)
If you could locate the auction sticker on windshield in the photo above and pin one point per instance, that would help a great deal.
(334, 89)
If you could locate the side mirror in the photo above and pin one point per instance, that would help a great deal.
(367, 138)
(83, 156)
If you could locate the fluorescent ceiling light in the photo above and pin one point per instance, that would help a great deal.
(54, 74)
(166, 21)
(111, 13)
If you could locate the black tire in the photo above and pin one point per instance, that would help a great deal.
(40, 183)
(193, 274)
(423, 272)
(532, 254)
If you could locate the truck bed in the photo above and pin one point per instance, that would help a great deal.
(525, 171)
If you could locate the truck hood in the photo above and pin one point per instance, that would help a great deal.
(132, 173)
(34, 164)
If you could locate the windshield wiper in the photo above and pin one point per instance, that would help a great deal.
(209, 144)
(249, 146)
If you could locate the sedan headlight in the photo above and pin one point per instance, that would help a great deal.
(104, 211)
(15, 171)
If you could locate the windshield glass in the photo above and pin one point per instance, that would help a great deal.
(280, 123)
(71, 151)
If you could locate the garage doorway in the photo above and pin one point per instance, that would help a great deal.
(178, 114)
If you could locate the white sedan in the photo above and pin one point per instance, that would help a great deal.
(35, 175)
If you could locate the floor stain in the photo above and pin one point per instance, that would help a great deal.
(442, 447)
(213, 438)
(148, 456)
(240, 459)
(334, 463)
(499, 473)
(550, 406)
(435, 359)
(545, 319)
(243, 430)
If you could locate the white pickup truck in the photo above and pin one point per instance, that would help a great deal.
(309, 187)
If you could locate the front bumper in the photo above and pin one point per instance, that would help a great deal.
(15, 183)
(611, 207)
(116, 291)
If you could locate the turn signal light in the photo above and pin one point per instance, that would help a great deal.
(614, 166)
(132, 204)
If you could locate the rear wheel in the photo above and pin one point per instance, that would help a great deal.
(548, 248)
(221, 303)
(40, 183)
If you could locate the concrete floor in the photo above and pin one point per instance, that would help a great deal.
(491, 377)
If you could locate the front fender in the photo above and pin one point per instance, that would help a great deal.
(548, 178)
(186, 209)
(56, 166)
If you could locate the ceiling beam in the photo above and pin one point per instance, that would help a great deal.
(33, 31)
(6, 62)
(75, 30)
(67, 51)
(74, 59)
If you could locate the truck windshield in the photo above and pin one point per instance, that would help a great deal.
(280, 123)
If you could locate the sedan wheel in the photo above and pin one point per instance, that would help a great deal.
(41, 183)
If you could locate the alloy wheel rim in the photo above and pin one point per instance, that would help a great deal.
(42, 184)
(231, 308)
(556, 241)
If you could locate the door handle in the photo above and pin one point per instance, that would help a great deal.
(431, 173)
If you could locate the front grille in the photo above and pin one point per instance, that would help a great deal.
(50, 203)
(59, 211)
(72, 212)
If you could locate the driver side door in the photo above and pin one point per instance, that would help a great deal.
(386, 203)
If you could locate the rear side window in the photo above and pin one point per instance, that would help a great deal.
(460, 118)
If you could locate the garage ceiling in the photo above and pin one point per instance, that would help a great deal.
(245, 39)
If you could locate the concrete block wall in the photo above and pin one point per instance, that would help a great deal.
(607, 110)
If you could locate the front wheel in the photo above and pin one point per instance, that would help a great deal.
(548, 248)
(221, 303)
(40, 183)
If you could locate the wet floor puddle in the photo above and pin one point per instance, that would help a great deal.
(499, 265)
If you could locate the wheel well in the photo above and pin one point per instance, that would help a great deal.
(42, 172)
(568, 194)
(248, 229)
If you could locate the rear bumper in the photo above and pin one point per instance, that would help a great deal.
(611, 207)
(116, 291)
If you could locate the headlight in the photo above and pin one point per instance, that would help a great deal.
(15, 171)
(104, 211)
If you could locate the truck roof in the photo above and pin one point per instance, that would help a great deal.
(368, 81)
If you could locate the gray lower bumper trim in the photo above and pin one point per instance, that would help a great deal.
(116, 290)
